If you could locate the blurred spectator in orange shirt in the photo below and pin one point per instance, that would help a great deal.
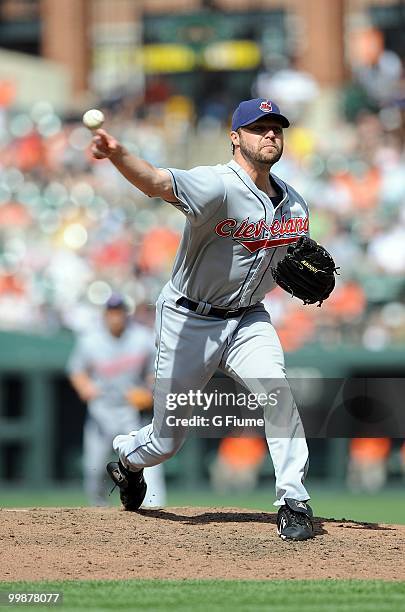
(238, 463)
(368, 463)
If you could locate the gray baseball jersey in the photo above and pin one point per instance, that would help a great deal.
(115, 365)
(233, 234)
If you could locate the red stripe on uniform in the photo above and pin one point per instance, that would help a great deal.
(266, 243)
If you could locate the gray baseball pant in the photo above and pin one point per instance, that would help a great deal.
(191, 347)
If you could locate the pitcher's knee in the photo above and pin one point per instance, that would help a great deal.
(156, 452)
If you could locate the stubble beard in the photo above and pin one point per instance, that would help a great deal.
(267, 157)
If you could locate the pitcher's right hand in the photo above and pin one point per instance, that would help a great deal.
(104, 145)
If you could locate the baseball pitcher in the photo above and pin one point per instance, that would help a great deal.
(241, 222)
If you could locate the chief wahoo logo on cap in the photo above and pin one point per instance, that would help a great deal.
(266, 106)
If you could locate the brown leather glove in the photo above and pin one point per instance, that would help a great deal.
(140, 398)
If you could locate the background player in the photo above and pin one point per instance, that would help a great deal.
(240, 219)
(110, 369)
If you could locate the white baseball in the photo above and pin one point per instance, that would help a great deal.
(93, 119)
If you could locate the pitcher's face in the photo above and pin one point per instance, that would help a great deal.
(261, 141)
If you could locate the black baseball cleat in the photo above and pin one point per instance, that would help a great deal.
(132, 485)
(294, 521)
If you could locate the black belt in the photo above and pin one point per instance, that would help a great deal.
(219, 313)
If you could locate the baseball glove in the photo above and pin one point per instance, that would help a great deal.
(307, 271)
(140, 398)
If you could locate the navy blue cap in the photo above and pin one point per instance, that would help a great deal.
(249, 111)
(115, 301)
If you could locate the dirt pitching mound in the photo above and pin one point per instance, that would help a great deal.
(98, 543)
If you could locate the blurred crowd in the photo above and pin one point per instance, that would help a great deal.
(72, 230)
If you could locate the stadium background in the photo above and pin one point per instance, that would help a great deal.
(167, 74)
